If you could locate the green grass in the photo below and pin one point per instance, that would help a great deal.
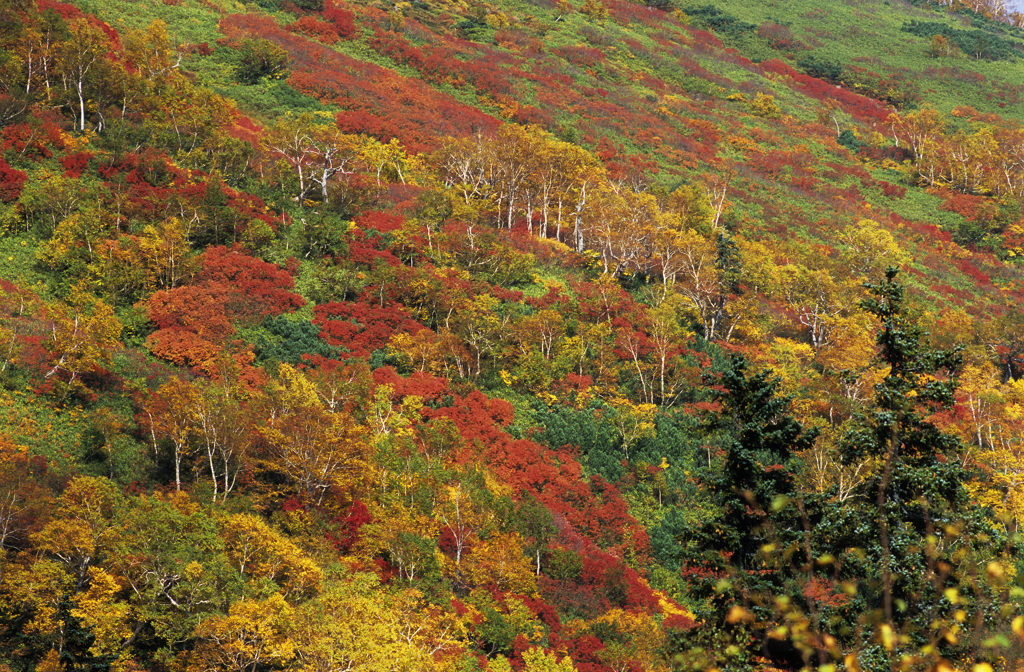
(877, 39)
(47, 431)
(18, 263)
(191, 22)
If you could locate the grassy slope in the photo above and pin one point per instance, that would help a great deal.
(868, 34)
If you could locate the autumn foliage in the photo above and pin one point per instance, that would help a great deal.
(523, 338)
(193, 321)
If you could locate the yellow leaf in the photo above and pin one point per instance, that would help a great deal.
(887, 636)
(739, 615)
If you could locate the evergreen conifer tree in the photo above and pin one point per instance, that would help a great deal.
(911, 524)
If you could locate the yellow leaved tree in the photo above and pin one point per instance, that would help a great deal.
(107, 619)
(536, 659)
(870, 248)
(34, 593)
(83, 335)
(358, 625)
(260, 551)
(499, 561)
(632, 422)
(633, 640)
(319, 450)
(253, 635)
(1002, 450)
(82, 527)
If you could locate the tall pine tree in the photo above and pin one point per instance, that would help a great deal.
(911, 521)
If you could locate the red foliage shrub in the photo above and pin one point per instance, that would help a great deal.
(951, 294)
(780, 37)
(704, 39)
(244, 128)
(478, 416)
(805, 182)
(678, 622)
(35, 139)
(825, 593)
(375, 101)
(364, 251)
(506, 295)
(528, 114)
(344, 19)
(893, 190)
(513, 39)
(115, 37)
(182, 346)
(544, 611)
(75, 164)
(315, 28)
(397, 48)
(66, 11)
(203, 49)
(382, 222)
(346, 527)
(193, 321)
(624, 13)
(584, 652)
(572, 385)
(360, 328)
(765, 164)
(970, 206)
(708, 132)
(423, 385)
(260, 289)
(967, 267)
(12, 181)
(197, 308)
(548, 77)
(586, 57)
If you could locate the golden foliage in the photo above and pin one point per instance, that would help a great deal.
(255, 634)
(260, 551)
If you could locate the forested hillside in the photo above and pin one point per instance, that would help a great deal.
(513, 335)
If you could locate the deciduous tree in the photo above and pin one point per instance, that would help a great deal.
(352, 625)
(319, 449)
(78, 58)
(168, 557)
(253, 635)
(82, 527)
(261, 552)
(317, 152)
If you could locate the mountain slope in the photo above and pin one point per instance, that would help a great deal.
(508, 336)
